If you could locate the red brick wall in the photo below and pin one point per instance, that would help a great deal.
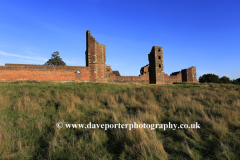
(160, 78)
(173, 78)
(144, 70)
(156, 65)
(191, 75)
(12, 72)
(108, 72)
(142, 79)
(100, 61)
(96, 54)
(96, 69)
(159, 70)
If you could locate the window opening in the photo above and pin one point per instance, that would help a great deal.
(78, 71)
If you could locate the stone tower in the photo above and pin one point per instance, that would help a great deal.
(95, 59)
(156, 74)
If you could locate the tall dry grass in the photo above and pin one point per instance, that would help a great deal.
(29, 112)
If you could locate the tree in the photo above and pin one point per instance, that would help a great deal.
(55, 60)
(236, 81)
(209, 78)
(225, 79)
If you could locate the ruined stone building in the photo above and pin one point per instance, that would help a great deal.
(96, 69)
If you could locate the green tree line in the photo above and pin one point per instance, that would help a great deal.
(212, 78)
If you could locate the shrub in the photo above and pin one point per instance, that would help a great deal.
(209, 78)
(224, 79)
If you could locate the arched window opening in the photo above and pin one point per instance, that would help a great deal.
(78, 72)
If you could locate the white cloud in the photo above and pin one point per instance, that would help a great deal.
(20, 56)
(75, 62)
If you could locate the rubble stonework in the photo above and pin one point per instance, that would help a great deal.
(97, 71)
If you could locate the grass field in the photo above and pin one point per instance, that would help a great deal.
(29, 112)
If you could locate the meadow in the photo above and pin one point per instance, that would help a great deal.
(30, 110)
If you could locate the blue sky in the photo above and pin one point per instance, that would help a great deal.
(201, 33)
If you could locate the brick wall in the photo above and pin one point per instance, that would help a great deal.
(108, 72)
(96, 59)
(12, 72)
(194, 75)
(172, 78)
(96, 69)
(189, 75)
(156, 65)
(142, 79)
(144, 70)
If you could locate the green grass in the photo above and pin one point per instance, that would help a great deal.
(30, 110)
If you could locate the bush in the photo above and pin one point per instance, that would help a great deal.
(225, 79)
(236, 81)
(209, 78)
